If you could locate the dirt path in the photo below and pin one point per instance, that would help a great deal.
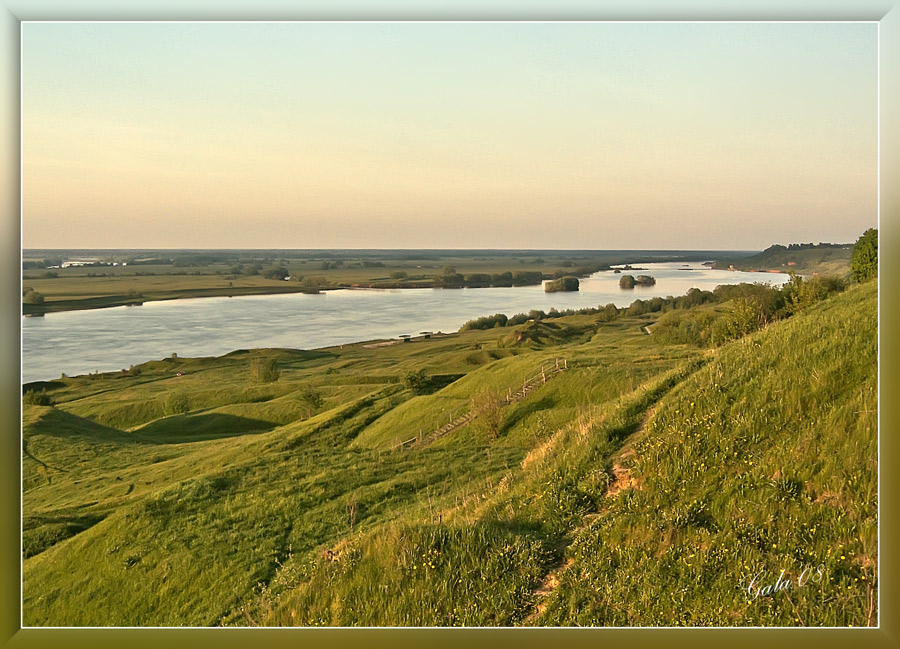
(621, 479)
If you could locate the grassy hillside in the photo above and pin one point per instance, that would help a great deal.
(644, 471)
(807, 259)
(764, 460)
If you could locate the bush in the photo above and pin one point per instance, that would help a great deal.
(800, 293)
(416, 381)
(311, 398)
(451, 280)
(33, 297)
(502, 279)
(527, 277)
(264, 370)
(626, 281)
(478, 280)
(519, 318)
(486, 322)
(399, 274)
(36, 398)
(609, 313)
(490, 412)
(685, 327)
(277, 273)
(177, 403)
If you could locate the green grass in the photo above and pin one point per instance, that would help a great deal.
(764, 460)
(833, 261)
(247, 508)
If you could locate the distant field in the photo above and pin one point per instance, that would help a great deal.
(216, 273)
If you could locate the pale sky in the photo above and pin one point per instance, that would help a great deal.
(454, 135)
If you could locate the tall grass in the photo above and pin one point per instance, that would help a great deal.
(763, 461)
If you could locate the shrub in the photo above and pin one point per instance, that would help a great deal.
(33, 297)
(416, 381)
(490, 412)
(450, 280)
(478, 280)
(311, 398)
(527, 277)
(519, 318)
(502, 279)
(276, 273)
(177, 403)
(263, 370)
(800, 293)
(486, 322)
(609, 313)
(35, 398)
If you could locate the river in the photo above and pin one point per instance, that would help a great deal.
(78, 342)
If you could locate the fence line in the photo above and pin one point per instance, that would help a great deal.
(528, 385)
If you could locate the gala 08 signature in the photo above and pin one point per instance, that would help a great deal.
(764, 584)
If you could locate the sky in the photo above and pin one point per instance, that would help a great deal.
(448, 135)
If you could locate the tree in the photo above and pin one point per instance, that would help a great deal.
(276, 273)
(36, 398)
(626, 281)
(33, 297)
(311, 398)
(864, 265)
(490, 412)
(416, 381)
(398, 274)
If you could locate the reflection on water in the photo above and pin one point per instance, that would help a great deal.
(78, 342)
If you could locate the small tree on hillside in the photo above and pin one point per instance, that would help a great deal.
(416, 381)
(311, 398)
(490, 412)
(177, 403)
(263, 370)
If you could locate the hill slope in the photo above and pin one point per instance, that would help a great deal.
(644, 472)
(806, 259)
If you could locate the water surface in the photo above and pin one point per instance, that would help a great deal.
(78, 342)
